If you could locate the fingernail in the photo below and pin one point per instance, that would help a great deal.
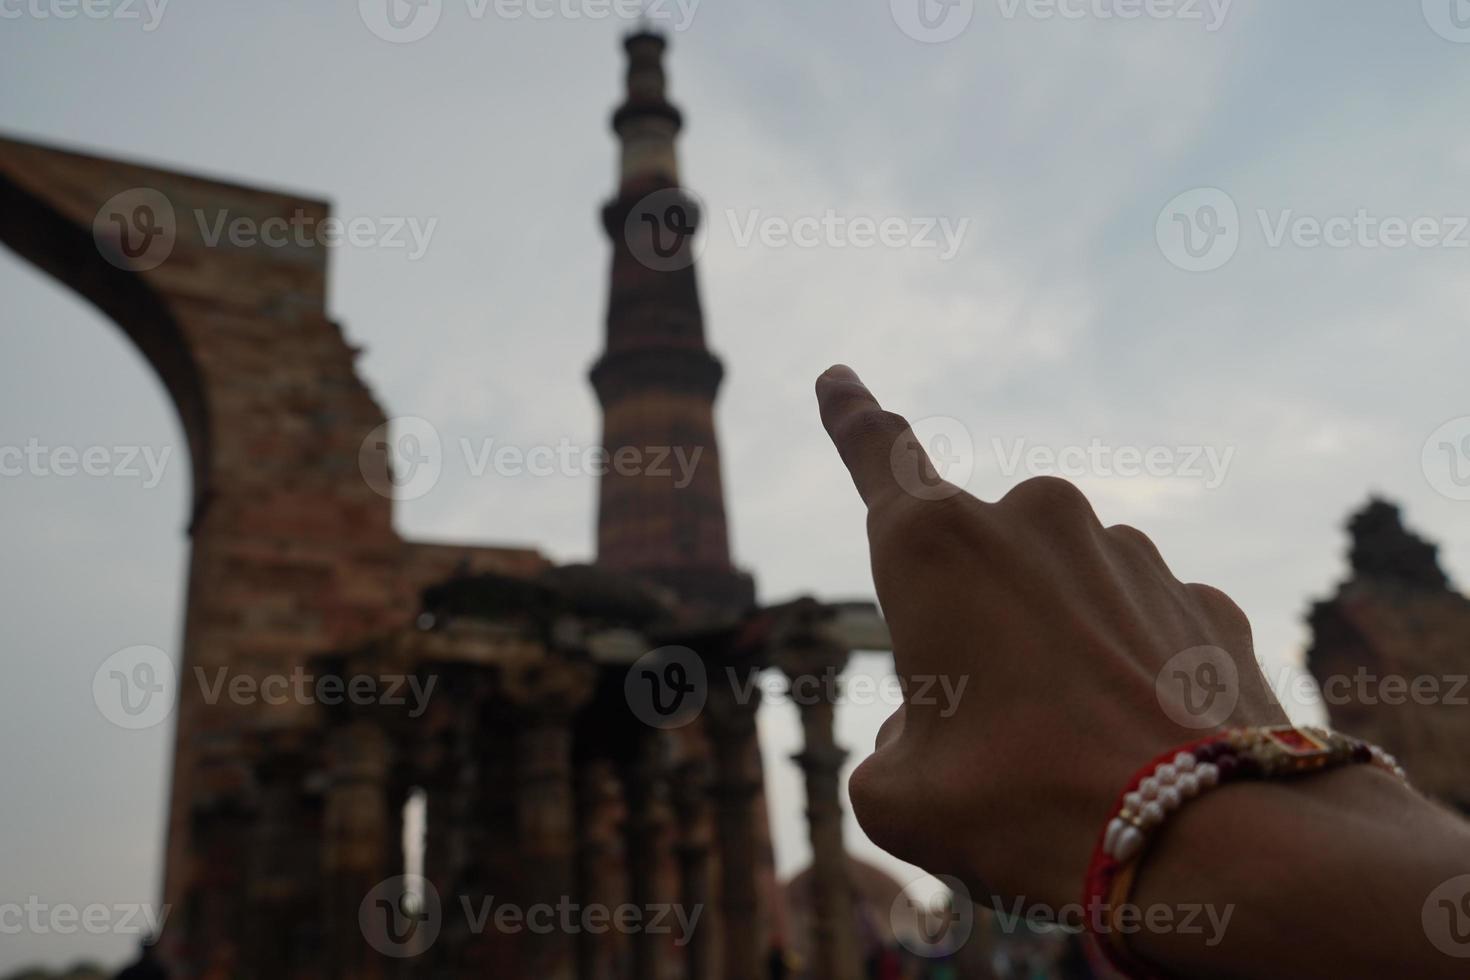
(842, 372)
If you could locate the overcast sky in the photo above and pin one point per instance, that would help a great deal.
(1066, 308)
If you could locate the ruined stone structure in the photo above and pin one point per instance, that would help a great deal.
(1391, 653)
(540, 782)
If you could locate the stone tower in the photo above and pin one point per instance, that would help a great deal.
(661, 509)
(1391, 654)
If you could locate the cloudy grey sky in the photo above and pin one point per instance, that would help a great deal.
(1055, 148)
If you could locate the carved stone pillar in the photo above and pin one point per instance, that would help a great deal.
(812, 673)
(543, 696)
(731, 726)
(358, 850)
(644, 830)
(691, 788)
(597, 854)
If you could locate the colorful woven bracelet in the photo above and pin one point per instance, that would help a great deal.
(1180, 775)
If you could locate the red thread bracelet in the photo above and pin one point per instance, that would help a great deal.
(1173, 778)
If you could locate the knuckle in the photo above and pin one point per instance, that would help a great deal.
(1050, 495)
(1219, 607)
(1131, 537)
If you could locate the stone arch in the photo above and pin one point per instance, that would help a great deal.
(35, 226)
(292, 551)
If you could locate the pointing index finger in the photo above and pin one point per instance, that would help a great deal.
(873, 443)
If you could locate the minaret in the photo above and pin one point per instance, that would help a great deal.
(661, 513)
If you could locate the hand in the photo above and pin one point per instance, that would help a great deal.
(1058, 628)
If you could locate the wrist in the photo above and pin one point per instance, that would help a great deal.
(1274, 870)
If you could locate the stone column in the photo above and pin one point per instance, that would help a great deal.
(597, 795)
(359, 854)
(812, 673)
(543, 697)
(691, 788)
(731, 726)
(644, 829)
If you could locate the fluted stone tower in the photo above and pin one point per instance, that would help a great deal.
(661, 510)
